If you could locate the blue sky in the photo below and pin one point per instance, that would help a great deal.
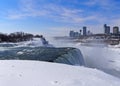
(57, 17)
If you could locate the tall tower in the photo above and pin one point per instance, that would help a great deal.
(115, 30)
(106, 29)
(84, 31)
(71, 34)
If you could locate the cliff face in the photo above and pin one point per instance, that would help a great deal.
(70, 56)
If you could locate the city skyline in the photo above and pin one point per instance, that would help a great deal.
(86, 32)
(57, 17)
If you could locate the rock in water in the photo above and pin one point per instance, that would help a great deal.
(70, 56)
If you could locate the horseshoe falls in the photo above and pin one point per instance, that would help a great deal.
(68, 55)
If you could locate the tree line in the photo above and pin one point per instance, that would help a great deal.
(17, 37)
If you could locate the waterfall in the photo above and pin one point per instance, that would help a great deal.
(71, 56)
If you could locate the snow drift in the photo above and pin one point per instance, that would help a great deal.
(36, 73)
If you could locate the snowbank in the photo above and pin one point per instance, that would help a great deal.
(27, 73)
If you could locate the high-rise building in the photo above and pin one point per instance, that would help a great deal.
(116, 30)
(84, 31)
(76, 34)
(106, 29)
(71, 34)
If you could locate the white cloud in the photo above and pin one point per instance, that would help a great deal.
(98, 2)
(104, 4)
(27, 8)
(30, 8)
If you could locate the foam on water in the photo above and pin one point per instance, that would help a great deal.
(98, 56)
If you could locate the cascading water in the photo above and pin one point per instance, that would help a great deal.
(68, 55)
(73, 57)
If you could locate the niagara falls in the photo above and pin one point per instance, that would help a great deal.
(59, 43)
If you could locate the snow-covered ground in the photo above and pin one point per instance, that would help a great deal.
(33, 73)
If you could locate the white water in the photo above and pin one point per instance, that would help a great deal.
(105, 58)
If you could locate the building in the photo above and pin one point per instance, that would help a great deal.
(116, 30)
(106, 29)
(71, 34)
(76, 34)
(84, 31)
